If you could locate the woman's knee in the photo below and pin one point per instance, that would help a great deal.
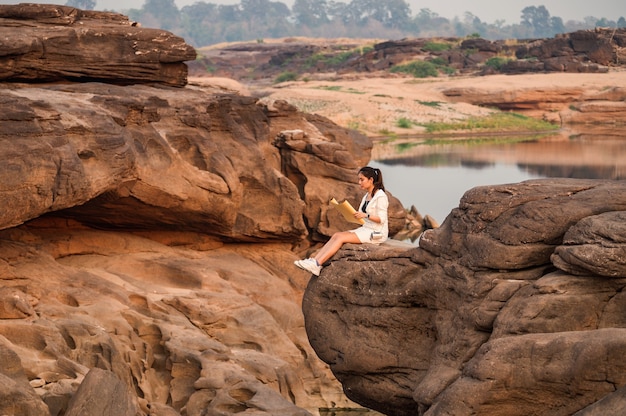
(345, 236)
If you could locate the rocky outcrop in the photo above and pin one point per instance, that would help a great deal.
(148, 233)
(571, 106)
(514, 306)
(139, 157)
(585, 51)
(582, 51)
(125, 210)
(44, 42)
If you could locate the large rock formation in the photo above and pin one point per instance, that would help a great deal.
(514, 306)
(186, 322)
(567, 106)
(584, 51)
(43, 42)
(147, 236)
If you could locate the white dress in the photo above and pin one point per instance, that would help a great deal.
(377, 207)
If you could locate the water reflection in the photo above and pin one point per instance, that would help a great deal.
(434, 174)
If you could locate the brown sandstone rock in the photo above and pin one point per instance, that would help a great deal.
(44, 42)
(188, 330)
(198, 327)
(16, 395)
(570, 106)
(141, 157)
(596, 245)
(102, 394)
(477, 320)
(126, 286)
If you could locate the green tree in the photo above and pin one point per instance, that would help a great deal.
(556, 25)
(163, 11)
(337, 10)
(538, 20)
(311, 13)
(391, 13)
(200, 24)
(264, 18)
(621, 22)
(429, 24)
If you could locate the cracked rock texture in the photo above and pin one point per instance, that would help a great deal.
(148, 231)
(514, 306)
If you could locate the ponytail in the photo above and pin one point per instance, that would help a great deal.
(376, 175)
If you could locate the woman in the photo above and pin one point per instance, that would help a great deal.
(373, 209)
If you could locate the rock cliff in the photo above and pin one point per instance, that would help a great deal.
(514, 306)
(52, 43)
(148, 231)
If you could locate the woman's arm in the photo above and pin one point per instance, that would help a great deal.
(377, 208)
(380, 206)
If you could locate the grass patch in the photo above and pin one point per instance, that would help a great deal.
(404, 123)
(430, 103)
(424, 69)
(497, 62)
(339, 88)
(419, 69)
(437, 46)
(286, 76)
(329, 87)
(354, 125)
(385, 132)
(493, 122)
(335, 59)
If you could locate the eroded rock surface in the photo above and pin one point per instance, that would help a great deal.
(151, 232)
(147, 239)
(46, 42)
(514, 306)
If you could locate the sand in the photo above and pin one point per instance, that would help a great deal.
(376, 105)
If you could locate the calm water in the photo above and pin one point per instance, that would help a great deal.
(433, 175)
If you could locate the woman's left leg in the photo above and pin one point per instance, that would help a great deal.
(334, 244)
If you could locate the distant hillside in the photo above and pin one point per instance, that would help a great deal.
(291, 59)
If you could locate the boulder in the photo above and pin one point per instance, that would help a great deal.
(16, 395)
(101, 394)
(46, 42)
(513, 306)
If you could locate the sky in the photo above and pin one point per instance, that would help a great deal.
(486, 10)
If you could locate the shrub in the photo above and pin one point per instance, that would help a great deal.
(404, 123)
(437, 46)
(286, 76)
(429, 103)
(496, 62)
(419, 69)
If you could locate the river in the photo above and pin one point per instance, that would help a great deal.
(433, 174)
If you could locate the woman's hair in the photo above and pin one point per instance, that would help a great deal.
(375, 174)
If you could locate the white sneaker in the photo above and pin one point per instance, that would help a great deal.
(309, 265)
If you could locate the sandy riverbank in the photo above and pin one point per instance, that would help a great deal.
(373, 105)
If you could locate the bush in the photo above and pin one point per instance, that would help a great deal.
(286, 76)
(419, 69)
(437, 46)
(496, 62)
(404, 123)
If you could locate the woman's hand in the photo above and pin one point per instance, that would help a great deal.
(363, 215)
(360, 215)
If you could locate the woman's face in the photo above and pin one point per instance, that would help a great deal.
(365, 182)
